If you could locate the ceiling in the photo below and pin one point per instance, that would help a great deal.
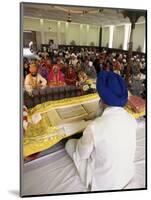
(84, 15)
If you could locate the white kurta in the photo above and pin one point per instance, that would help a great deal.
(104, 154)
(38, 78)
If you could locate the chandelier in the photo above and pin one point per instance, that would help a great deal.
(69, 17)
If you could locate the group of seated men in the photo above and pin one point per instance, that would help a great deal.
(76, 67)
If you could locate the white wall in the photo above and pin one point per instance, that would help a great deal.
(83, 34)
(139, 35)
(74, 33)
(93, 35)
(31, 24)
(121, 35)
(105, 36)
(118, 37)
(63, 32)
(38, 39)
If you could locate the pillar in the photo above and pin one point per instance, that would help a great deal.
(87, 34)
(42, 31)
(100, 37)
(144, 47)
(58, 32)
(111, 31)
(66, 33)
(81, 27)
(127, 28)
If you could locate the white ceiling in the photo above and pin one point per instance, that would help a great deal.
(93, 16)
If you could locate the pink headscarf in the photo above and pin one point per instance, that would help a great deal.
(55, 78)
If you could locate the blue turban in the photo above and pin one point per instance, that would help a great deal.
(112, 88)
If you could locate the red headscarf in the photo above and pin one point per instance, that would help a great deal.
(55, 77)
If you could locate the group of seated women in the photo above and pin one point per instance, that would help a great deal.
(42, 73)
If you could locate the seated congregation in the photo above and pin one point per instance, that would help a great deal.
(67, 66)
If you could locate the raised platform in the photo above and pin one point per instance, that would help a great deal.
(61, 119)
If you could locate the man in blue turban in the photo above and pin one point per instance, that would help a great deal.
(104, 155)
(112, 89)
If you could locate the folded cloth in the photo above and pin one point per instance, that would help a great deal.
(136, 103)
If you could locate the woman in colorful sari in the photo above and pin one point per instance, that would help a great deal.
(43, 71)
(70, 76)
(82, 78)
(44, 68)
(56, 77)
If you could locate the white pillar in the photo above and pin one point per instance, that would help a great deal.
(81, 27)
(126, 36)
(111, 31)
(87, 33)
(42, 37)
(144, 47)
(129, 37)
(58, 32)
(42, 31)
(66, 32)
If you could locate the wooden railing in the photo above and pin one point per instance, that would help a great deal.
(49, 94)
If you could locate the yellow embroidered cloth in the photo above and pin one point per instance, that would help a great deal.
(43, 135)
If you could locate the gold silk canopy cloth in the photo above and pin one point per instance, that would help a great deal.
(60, 119)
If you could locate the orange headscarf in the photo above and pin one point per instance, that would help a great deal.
(33, 69)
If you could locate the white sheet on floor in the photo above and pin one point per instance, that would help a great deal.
(56, 173)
